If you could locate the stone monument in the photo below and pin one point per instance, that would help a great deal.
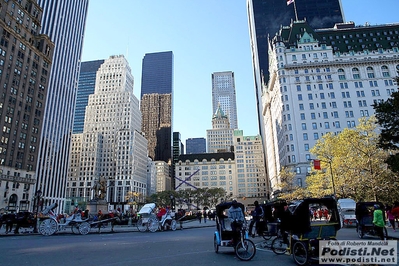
(98, 202)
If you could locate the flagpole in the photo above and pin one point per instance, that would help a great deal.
(296, 14)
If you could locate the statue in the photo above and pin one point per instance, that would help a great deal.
(100, 188)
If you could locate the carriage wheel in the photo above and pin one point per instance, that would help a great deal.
(173, 225)
(84, 228)
(48, 227)
(75, 229)
(300, 253)
(245, 250)
(141, 226)
(215, 244)
(153, 224)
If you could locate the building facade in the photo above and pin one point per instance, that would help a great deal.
(195, 145)
(162, 176)
(224, 94)
(207, 170)
(252, 181)
(265, 17)
(157, 104)
(64, 22)
(323, 81)
(25, 68)
(112, 145)
(86, 85)
(220, 137)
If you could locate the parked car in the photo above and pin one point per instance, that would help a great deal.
(347, 208)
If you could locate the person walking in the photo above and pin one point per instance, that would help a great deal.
(378, 221)
(205, 216)
(391, 217)
(257, 214)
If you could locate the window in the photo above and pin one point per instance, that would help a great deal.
(314, 125)
(311, 106)
(322, 95)
(355, 72)
(310, 96)
(305, 136)
(303, 116)
(306, 147)
(385, 71)
(303, 126)
(299, 97)
(316, 136)
(301, 106)
(298, 87)
(341, 74)
(326, 125)
(370, 72)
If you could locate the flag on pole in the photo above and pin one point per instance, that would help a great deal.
(289, 2)
(316, 164)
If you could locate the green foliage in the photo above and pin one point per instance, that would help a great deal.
(387, 114)
(356, 164)
(201, 197)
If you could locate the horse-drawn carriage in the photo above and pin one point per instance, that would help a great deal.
(26, 220)
(149, 221)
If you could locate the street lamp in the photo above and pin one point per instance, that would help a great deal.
(38, 195)
(172, 202)
(316, 165)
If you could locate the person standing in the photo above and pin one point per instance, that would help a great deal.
(199, 216)
(378, 221)
(205, 216)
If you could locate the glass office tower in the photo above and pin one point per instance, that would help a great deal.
(64, 22)
(87, 82)
(156, 104)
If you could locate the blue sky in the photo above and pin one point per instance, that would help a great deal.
(205, 36)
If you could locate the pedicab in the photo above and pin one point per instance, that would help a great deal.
(302, 241)
(364, 217)
(244, 248)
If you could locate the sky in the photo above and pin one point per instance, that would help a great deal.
(205, 36)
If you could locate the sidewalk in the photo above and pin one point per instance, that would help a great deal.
(117, 228)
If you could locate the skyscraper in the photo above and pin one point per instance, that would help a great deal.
(220, 137)
(157, 73)
(25, 65)
(156, 104)
(224, 94)
(112, 144)
(64, 22)
(195, 145)
(87, 82)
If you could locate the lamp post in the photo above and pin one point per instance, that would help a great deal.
(172, 202)
(38, 195)
(316, 165)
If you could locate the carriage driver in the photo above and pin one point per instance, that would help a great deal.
(236, 216)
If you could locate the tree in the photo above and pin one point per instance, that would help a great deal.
(356, 164)
(387, 114)
(288, 189)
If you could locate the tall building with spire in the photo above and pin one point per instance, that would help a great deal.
(224, 94)
(156, 104)
(220, 137)
(111, 145)
(25, 68)
(64, 22)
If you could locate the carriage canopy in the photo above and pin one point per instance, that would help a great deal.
(147, 208)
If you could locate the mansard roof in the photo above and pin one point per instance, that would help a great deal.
(344, 37)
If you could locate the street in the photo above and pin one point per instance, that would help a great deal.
(181, 247)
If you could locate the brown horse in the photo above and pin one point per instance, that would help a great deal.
(103, 220)
(20, 219)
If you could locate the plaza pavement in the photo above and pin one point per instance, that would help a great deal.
(132, 228)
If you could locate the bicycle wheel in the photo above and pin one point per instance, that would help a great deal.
(141, 226)
(245, 249)
(300, 253)
(278, 246)
(215, 244)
